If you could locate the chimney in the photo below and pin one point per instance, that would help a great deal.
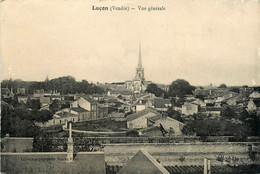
(164, 116)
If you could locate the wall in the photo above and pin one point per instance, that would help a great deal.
(17, 144)
(82, 103)
(85, 162)
(171, 153)
(189, 109)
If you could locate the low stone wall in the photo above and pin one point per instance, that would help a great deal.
(47, 162)
(184, 153)
(17, 144)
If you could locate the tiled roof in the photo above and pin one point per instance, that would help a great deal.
(194, 169)
(204, 109)
(121, 92)
(66, 115)
(155, 118)
(161, 103)
(141, 113)
(79, 109)
(90, 100)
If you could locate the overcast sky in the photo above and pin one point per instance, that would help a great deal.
(202, 41)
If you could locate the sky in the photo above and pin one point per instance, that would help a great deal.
(201, 41)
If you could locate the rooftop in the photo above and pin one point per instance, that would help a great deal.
(141, 113)
(194, 169)
(65, 115)
(161, 103)
(90, 100)
(79, 109)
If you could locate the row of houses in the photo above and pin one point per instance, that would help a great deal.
(82, 109)
(215, 106)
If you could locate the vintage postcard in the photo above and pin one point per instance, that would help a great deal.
(130, 86)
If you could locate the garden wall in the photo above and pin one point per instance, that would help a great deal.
(52, 162)
(184, 153)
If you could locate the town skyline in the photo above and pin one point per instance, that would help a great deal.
(176, 44)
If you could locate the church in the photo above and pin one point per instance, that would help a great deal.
(138, 84)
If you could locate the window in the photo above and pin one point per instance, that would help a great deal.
(60, 121)
(72, 119)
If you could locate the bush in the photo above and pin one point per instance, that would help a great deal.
(132, 133)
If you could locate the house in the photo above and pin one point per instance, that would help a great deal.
(21, 91)
(88, 104)
(254, 106)
(236, 100)
(189, 108)
(203, 92)
(198, 102)
(211, 110)
(140, 119)
(69, 98)
(22, 99)
(117, 116)
(98, 97)
(170, 124)
(6, 93)
(45, 100)
(61, 117)
(82, 113)
(123, 93)
(38, 93)
(141, 105)
(189, 97)
(102, 111)
(254, 95)
(162, 104)
(209, 100)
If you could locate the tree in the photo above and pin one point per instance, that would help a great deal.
(43, 116)
(175, 115)
(17, 122)
(154, 89)
(65, 105)
(64, 85)
(132, 133)
(180, 88)
(54, 106)
(236, 90)
(222, 85)
(200, 97)
(229, 113)
(33, 104)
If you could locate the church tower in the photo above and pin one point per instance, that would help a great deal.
(140, 70)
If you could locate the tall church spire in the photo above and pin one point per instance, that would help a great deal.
(140, 70)
(140, 57)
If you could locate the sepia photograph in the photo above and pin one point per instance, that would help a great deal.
(130, 86)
